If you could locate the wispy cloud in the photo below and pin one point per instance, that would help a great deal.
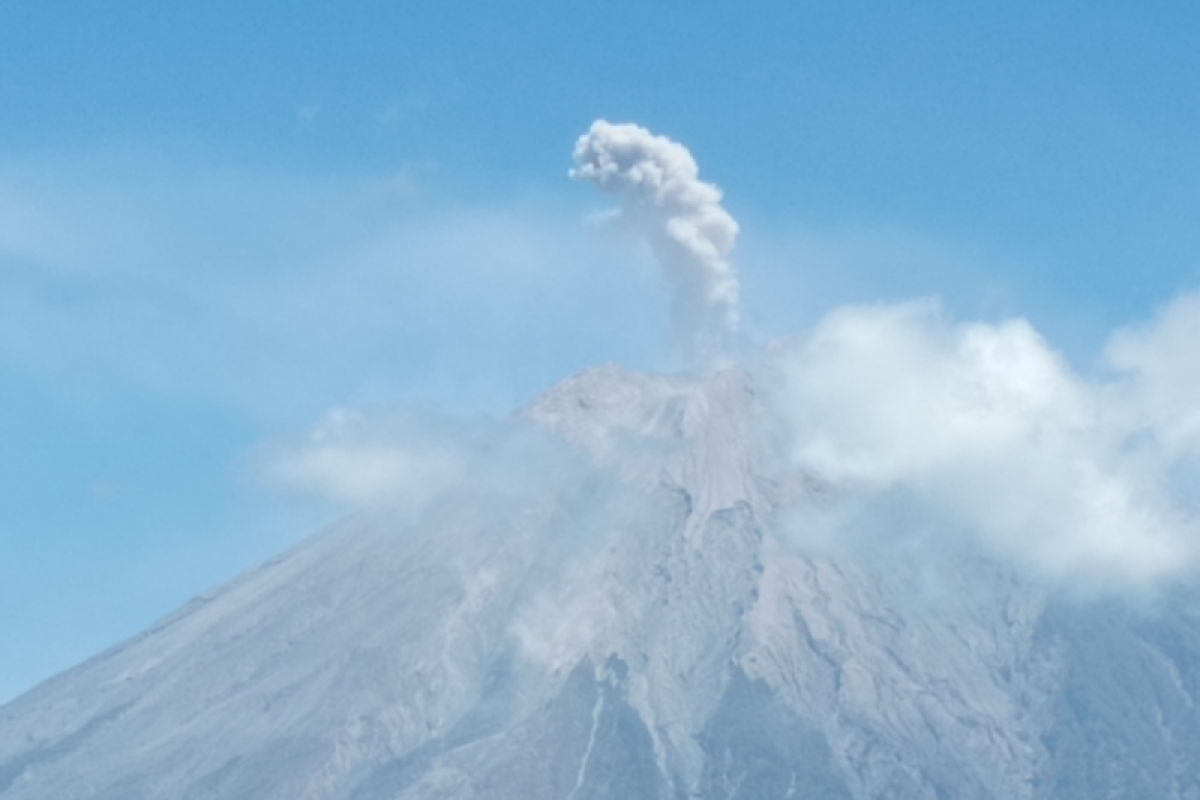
(402, 460)
(283, 296)
(357, 460)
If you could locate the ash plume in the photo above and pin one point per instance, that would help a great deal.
(682, 220)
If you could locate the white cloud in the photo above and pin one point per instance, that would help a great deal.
(1160, 366)
(356, 460)
(404, 459)
(984, 428)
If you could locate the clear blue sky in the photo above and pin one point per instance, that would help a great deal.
(219, 220)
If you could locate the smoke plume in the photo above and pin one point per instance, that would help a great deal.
(682, 220)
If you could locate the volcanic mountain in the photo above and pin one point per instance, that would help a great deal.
(614, 609)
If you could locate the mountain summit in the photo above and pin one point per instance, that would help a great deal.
(623, 614)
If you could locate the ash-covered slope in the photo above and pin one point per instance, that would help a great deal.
(626, 623)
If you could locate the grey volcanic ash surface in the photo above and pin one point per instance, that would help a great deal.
(631, 627)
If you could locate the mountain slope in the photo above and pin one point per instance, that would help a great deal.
(623, 619)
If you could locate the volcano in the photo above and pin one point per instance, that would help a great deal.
(632, 621)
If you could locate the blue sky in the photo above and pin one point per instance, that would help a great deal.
(219, 220)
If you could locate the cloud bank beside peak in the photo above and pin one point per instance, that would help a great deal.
(681, 217)
(984, 430)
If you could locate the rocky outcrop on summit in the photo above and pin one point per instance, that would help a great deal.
(628, 624)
